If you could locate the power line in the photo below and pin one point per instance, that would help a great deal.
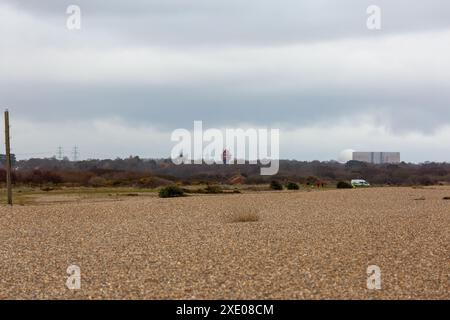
(33, 153)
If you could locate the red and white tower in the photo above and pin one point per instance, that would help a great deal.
(226, 156)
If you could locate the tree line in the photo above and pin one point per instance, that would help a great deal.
(150, 173)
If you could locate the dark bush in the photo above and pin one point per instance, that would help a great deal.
(275, 185)
(344, 185)
(292, 186)
(171, 192)
(311, 180)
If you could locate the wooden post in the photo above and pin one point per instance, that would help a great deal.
(8, 160)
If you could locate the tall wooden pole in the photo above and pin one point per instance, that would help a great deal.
(8, 159)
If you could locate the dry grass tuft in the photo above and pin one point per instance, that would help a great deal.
(244, 214)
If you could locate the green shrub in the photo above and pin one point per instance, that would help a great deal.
(275, 185)
(213, 189)
(292, 186)
(171, 192)
(344, 185)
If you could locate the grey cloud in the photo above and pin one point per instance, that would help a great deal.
(257, 22)
(170, 108)
(413, 97)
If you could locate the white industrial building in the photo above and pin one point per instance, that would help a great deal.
(377, 157)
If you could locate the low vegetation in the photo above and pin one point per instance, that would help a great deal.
(276, 185)
(213, 189)
(344, 185)
(292, 186)
(171, 192)
(245, 215)
(135, 172)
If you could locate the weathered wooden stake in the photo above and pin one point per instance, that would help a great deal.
(8, 160)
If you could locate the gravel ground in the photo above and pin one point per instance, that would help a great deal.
(305, 245)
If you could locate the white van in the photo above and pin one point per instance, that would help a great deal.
(360, 183)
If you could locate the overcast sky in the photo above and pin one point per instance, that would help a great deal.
(137, 70)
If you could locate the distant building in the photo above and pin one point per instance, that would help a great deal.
(377, 157)
(3, 159)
